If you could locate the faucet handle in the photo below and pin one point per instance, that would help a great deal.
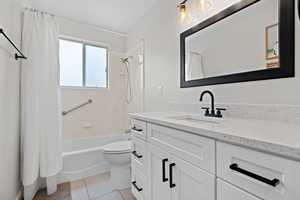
(206, 110)
(219, 113)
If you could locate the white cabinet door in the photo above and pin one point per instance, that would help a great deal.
(229, 192)
(158, 162)
(190, 182)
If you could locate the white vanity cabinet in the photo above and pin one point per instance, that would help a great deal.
(226, 191)
(191, 182)
(139, 129)
(172, 178)
(139, 160)
(139, 184)
(179, 165)
(139, 157)
(266, 176)
(158, 173)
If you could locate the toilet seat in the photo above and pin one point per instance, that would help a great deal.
(117, 147)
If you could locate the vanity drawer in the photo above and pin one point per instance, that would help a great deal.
(139, 129)
(266, 176)
(138, 184)
(138, 158)
(225, 191)
(195, 149)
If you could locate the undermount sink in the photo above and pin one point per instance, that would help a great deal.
(197, 118)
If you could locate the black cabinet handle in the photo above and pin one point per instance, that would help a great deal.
(273, 182)
(136, 187)
(137, 129)
(164, 179)
(171, 166)
(136, 154)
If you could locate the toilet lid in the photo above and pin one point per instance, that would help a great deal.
(118, 147)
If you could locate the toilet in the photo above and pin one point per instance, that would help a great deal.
(118, 154)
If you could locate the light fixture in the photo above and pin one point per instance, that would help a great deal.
(204, 4)
(182, 11)
(201, 5)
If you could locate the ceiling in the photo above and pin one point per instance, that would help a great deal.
(115, 15)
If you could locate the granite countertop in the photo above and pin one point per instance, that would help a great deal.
(269, 136)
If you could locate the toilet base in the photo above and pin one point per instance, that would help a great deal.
(120, 177)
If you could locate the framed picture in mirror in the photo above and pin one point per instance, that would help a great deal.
(272, 42)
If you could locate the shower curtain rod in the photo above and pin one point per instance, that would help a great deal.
(17, 56)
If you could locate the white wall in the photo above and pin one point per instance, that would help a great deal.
(108, 113)
(9, 101)
(160, 29)
(115, 41)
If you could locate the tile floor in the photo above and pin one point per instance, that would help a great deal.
(91, 188)
(63, 193)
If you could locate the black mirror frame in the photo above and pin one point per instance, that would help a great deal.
(286, 48)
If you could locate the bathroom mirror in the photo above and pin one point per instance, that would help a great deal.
(250, 40)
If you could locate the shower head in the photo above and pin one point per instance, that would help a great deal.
(125, 60)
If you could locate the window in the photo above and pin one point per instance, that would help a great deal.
(82, 65)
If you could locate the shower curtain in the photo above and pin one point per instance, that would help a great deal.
(40, 102)
(194, 66)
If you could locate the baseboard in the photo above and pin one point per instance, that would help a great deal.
(19, 195)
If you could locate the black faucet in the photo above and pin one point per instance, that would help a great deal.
(212, 112)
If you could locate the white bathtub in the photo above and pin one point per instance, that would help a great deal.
(84, 157)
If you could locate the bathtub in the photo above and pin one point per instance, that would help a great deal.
(84, 157)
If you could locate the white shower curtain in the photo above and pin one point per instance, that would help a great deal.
(40, 99)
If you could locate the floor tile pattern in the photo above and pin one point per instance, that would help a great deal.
(92, 188)
(63, 193)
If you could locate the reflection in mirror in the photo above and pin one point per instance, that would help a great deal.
(243, 42)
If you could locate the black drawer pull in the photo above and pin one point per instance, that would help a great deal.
(172, 185)
(137, 129)
(136, 154)
(273, 182)
(136, 187)
(164, 179)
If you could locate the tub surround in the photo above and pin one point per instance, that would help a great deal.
(275, 137)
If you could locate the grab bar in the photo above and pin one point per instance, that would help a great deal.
(64, 113)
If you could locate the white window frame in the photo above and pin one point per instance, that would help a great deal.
(84, 44)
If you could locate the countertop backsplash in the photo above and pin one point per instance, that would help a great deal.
(281, 113)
